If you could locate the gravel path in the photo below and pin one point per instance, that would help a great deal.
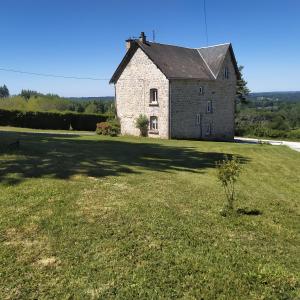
(293, 145)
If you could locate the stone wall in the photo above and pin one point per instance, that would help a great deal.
(188, 107)
(133, 95)
(189, 116)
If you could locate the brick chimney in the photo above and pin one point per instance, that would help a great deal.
(143, 38)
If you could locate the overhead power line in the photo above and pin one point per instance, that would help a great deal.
(53, 75)
(205, 20)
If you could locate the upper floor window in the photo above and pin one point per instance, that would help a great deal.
(153, 123)
(226, 73)
(153, 96)
(201, 91)
(209, 107)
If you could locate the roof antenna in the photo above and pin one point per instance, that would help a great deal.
(204, 8)
(153, 36)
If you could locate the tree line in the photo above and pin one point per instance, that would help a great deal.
(29, 100)
(271, 116)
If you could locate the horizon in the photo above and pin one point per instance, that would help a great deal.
(112, 96)
(87, 39)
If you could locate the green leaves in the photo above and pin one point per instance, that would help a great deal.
(228, 173)
(4, 92)
(241, 88)
(142, 123)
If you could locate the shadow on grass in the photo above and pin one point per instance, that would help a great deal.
(63, 156)
(249, 212)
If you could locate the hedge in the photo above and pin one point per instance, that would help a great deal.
(50, 120)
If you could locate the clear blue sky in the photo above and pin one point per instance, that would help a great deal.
(86, 38)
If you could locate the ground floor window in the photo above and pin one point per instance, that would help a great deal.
(208, 129)
(198, 119)
(153, 123)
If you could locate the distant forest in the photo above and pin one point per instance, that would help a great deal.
(29, 100)
(276, 96)
(270, 115)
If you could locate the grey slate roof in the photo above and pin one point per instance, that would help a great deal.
(179, 62)
(214, 56)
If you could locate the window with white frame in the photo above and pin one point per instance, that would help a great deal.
(226, 73)
(153, 123)
(209, 107)
(198, 119)
(201, 91)
(153, 96)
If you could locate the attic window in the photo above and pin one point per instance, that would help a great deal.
(153, 96)
(226, 73)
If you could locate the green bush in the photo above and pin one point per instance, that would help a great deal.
(142, 124)
(50, 120)
(86, 121)
(294, 134)
(112, 128)
(228, 173)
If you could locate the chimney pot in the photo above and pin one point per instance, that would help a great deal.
(143, 37)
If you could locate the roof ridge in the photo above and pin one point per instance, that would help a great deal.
(191, 48)
(170, 45)
(215, 45)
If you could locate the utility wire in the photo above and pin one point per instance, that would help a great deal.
(53, 75)
(204, 8)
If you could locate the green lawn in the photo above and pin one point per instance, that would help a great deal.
(20, 129)
(89, 217)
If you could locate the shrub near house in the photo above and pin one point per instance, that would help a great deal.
(111, 127)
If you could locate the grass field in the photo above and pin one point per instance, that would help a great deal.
(88, 217)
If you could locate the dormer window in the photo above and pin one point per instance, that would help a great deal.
(153, 97)
(226, 73)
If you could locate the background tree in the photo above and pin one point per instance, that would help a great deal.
(242, 91)
(91, 108)
(26, 94)
(4, 92)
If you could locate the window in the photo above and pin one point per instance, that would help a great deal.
(226, 73)
(153, 123)
(153, 96)
(208, 129)
(209, 107)
(201, 90)
(198, 120)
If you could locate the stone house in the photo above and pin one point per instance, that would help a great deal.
(187, 93)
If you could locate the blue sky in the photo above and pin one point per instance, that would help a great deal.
(86, 38)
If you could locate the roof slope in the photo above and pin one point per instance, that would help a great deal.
(179, 62)
(214, 56)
